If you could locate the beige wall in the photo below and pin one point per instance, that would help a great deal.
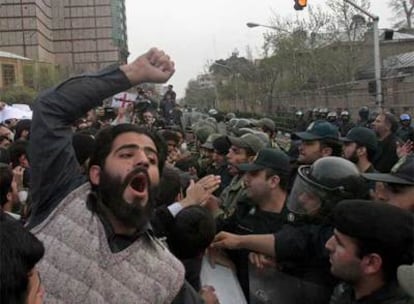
(76, 33)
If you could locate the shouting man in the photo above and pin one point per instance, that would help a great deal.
(99, 246)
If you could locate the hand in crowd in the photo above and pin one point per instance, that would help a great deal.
(18, 176)
(197, 193)
(153, 66)
(208, 294)
(226, 240)
(216, 256)
(404, 149)
(173, 156)
(212, 204)
(121, 111)
(261, 261)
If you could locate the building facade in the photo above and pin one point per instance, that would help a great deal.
(82, 35)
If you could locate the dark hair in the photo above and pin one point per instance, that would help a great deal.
(284, 177)
(397, 188)
(334, 144)
(169, 187)
(391, 257)
(193, 231)
(4, 137)
(4, 154)
(391, 120)
(21, 126)
(16, 150)
(370, 152)
(105, 138)
(20, 252)
(186, 163)
(6, 178)
(170, 135)
(249, 152)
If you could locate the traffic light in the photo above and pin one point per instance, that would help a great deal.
(300, 4)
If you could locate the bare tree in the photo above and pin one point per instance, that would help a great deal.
(403, 12)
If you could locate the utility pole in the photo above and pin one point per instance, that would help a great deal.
(377, 62)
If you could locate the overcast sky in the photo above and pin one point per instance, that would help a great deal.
(195, 32)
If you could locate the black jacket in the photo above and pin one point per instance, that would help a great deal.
(388, 294)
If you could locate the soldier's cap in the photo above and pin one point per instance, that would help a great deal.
(221, 145)
(405, 275)
(402, 173)
(362, 136)
(268, 123)
(387, 226)
(268, 158)
(203, 132)
(249, 141)
(319, 129)
(209, 142)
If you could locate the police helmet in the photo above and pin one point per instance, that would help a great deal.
(229, 116)
(405, 117)
(332, 116)
(323, 112)
(364, 112)
(212, 112)
(320, 186)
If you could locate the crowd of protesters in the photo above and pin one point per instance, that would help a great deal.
(103, 206)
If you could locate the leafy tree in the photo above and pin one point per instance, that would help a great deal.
(403, 12)
(23, 95)
(199, 96)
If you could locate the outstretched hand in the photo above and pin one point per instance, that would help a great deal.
(153, 66)
(226, 240)
(197, 193)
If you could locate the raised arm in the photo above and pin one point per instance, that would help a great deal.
(54, 166)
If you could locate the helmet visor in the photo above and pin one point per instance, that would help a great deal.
(305, 198)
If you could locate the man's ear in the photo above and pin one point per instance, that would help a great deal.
(327, 151)
(275, 180)
(372, 263)
(9, 196)
(251, 158)
(95, 175)
(361, 151)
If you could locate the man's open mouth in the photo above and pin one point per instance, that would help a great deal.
(139, 182)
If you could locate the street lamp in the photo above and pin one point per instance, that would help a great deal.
(252, 24)
(377, 64)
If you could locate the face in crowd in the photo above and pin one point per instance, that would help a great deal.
(127, 177)
(236, 156)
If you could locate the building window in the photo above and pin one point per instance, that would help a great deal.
(9, 75)
(28, 75)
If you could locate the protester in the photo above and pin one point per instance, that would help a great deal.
(89, 227)
(385, 125)
(20, 252)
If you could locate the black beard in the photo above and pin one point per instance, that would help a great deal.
(354, 158)
(110, 193)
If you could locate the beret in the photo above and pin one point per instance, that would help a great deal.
(385, 224)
